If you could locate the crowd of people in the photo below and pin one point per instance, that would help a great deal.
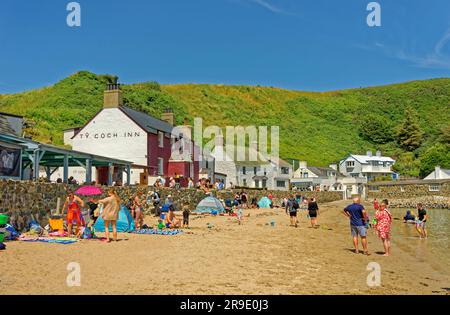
(292, 204)
(360, 223)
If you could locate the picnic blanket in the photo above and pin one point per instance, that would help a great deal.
(157, 232)
(43, 239)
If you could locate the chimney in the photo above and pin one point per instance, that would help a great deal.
(112, 97)
(378, 153)
(168, 116)
(303, 164)
(369, 153)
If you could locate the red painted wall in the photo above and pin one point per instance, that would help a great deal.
(170, 168)
(155, 152)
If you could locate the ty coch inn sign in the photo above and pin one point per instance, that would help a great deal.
(109, 135)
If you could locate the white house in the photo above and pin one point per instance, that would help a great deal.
(272, 174)
(316, 178)
(368, 166)
(309, 178)
(120, 132)
(438, 173)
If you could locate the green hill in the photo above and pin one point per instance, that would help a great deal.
(317, 127)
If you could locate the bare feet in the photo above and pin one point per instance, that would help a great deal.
(367, 253)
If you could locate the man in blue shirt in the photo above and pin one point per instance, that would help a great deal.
(358, 218)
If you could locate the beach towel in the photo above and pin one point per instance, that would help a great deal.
(56, 240)
(157, 232)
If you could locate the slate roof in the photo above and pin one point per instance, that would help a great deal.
(147, 122)
(364, 159)
(322, 171)
(5, 127)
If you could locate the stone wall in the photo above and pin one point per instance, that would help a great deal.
(20, 199)
(408, 195)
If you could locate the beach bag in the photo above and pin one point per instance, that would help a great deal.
(87, 234)
(10, 233)
(35, 228)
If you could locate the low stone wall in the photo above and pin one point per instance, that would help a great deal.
(409, 195)
(20, 199)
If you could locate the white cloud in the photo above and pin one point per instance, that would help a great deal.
(269, 6)
(438, 58)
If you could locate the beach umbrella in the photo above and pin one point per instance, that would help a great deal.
(88, 191)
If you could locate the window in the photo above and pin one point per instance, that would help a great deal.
(207, 164)
(244, 182)
(434, 187)
(265, 172)
(244, 171)
(281, 184)
(374, 188)
(285, 170)
(254, 170)
(305, 175)
(160, 166)
(256, 183)
(350, 163)
(264, 183)
(161, 139)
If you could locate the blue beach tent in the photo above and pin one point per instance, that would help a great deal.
(210, 205)
(264, 202)
(125, 222)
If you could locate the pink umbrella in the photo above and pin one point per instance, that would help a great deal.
(88, 191)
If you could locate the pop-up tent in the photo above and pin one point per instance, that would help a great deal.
(208, 205)
(264, 202)
(125, 222)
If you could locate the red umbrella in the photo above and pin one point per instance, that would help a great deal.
(88, 191)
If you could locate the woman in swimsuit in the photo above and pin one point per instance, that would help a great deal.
(138, 210)
(74, 205)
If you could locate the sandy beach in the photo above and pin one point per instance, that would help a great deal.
(253, 258)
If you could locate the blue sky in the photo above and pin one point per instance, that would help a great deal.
(296, 44)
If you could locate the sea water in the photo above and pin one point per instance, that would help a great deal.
(435, 249)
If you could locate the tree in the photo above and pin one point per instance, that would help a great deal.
(439, 154)
(407, 165)
(409, 135)
(376, 129)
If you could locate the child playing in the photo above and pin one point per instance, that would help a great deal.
(186, 212)
(161, 224)
(239, 215)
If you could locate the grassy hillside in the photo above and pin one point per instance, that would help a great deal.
(317, 127)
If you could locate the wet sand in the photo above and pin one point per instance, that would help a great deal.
(253, 258)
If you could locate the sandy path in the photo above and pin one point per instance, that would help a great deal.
(253, 258)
